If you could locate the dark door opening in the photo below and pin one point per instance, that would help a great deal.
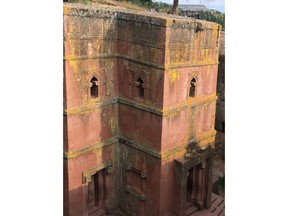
(196, 186)
(97, 192)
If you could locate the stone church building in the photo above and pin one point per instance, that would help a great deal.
(139, 112)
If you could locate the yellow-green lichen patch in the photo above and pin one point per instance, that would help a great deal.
(174, 75)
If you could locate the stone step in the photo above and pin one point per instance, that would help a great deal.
(98, 212)
(191, 210)
(217, 208)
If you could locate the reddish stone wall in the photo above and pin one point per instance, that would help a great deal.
(177, 83)
(153, 77)
(192, 43)
(147, 185)
(139, 137)
(204, 118)
(140, 126)
(139, 40)
(78, 191)
(91, 123)
(78, 76)
(177, 130)
(88, 129)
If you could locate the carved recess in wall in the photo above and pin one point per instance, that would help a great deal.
(134, 74)
(135, 185)
(129, 168)
(101, 82)
(193, 74)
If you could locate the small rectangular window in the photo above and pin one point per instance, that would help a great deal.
(94, 87)
(192, 90)
(139, 88)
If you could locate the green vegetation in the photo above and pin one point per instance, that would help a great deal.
(158, 6)
(216, 17)
(212, 16)
(161, 7)
(76, 1)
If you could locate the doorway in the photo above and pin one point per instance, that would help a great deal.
(97, 192)
(196, 186)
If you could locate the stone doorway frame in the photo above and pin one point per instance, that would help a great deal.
(107, 168)
(182, 166)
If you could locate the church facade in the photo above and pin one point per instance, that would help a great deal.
(139, 111)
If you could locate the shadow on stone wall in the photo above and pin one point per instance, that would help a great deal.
(220, 107)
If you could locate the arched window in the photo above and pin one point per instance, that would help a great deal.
(192, 88)
(139, 88)
(94, 87)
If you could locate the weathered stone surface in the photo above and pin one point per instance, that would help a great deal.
(143, 131)
(220, 112)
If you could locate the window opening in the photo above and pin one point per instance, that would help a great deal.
(192, 88)
(94, 87)
(139, 88)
